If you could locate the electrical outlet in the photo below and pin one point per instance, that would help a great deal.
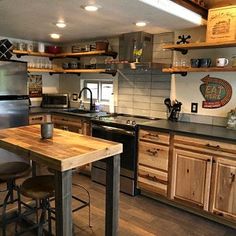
(194, 107)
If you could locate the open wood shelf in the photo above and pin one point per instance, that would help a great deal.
(38, 54)
(90, 53)
(41, 70)
(200, 45)
(190, 69)
(19, 53)
(71, 71)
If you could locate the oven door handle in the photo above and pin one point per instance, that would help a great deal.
(113, 129)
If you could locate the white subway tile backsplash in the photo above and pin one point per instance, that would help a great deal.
(160, 85)
(138, 98)
(125, 110)
(160, 93)
(142, 85)
(157, 100)
(140, 112)
(125, 104)
(164, 38)
(125, 91)
(141, 105)
(158, 114)
(125, 97)
(138, 91)
(158, 107)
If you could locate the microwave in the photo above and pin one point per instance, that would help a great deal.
(55, 100)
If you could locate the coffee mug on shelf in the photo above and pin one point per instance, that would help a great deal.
(195, 63)
(221, 62)
(204, 62)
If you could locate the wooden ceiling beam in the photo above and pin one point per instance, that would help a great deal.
(193, 7)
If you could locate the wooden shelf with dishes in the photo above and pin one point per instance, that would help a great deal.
(201, 45)
(19, 53)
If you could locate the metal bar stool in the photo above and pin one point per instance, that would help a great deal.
(84, 203)
(9, 172)
(41, 189)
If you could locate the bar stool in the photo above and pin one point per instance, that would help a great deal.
(9, 172)
(83, 203)
(40, 189)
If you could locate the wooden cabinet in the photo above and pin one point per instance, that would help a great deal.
(223, 201)
(153, 158)
(39, 119)
(203, 174)
(77, 125)
(191, 177)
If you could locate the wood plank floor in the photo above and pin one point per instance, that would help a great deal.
(139, 216)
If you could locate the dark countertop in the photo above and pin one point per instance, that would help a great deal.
(40, 110)
(208, 131)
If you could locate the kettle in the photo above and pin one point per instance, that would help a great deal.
(173, 110)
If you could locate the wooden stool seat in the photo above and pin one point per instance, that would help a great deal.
(38, 187)
(14, 170)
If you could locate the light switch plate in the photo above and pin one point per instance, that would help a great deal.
(194, 107)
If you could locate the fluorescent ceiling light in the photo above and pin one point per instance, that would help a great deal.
(61, 24)
(91, 8)
(55, 36)
(141, 23)
(175, 9)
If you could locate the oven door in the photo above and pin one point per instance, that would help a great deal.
(127, 138)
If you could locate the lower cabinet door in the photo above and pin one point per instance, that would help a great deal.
(191, 178)
(224, 190)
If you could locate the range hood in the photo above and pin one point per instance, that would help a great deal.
(128, 43)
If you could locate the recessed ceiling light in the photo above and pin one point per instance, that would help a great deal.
(61, 24)
(141, 23)
(55, 36)
(91, 7)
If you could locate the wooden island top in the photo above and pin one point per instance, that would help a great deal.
(66, 150)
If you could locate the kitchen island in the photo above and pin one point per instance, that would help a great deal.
(65, 151)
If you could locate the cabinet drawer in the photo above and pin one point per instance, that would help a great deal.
(153, 155)
(39, 119)
(205, 145)
(152, 174)
(154, 136)
(152, 180)
(63, 120)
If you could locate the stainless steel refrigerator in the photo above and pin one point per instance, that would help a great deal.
(14, 99)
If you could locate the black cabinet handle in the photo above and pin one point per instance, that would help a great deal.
(153, 152)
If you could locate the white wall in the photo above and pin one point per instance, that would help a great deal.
(186, 89)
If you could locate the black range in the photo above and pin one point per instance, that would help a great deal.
(124, 129)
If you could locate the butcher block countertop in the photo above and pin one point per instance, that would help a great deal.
(66, 150)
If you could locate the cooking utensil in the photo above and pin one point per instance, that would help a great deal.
(167, 102)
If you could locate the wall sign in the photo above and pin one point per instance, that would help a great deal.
(35, 86)
(217, 92)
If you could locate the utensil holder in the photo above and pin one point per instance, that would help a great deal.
(47, 130)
